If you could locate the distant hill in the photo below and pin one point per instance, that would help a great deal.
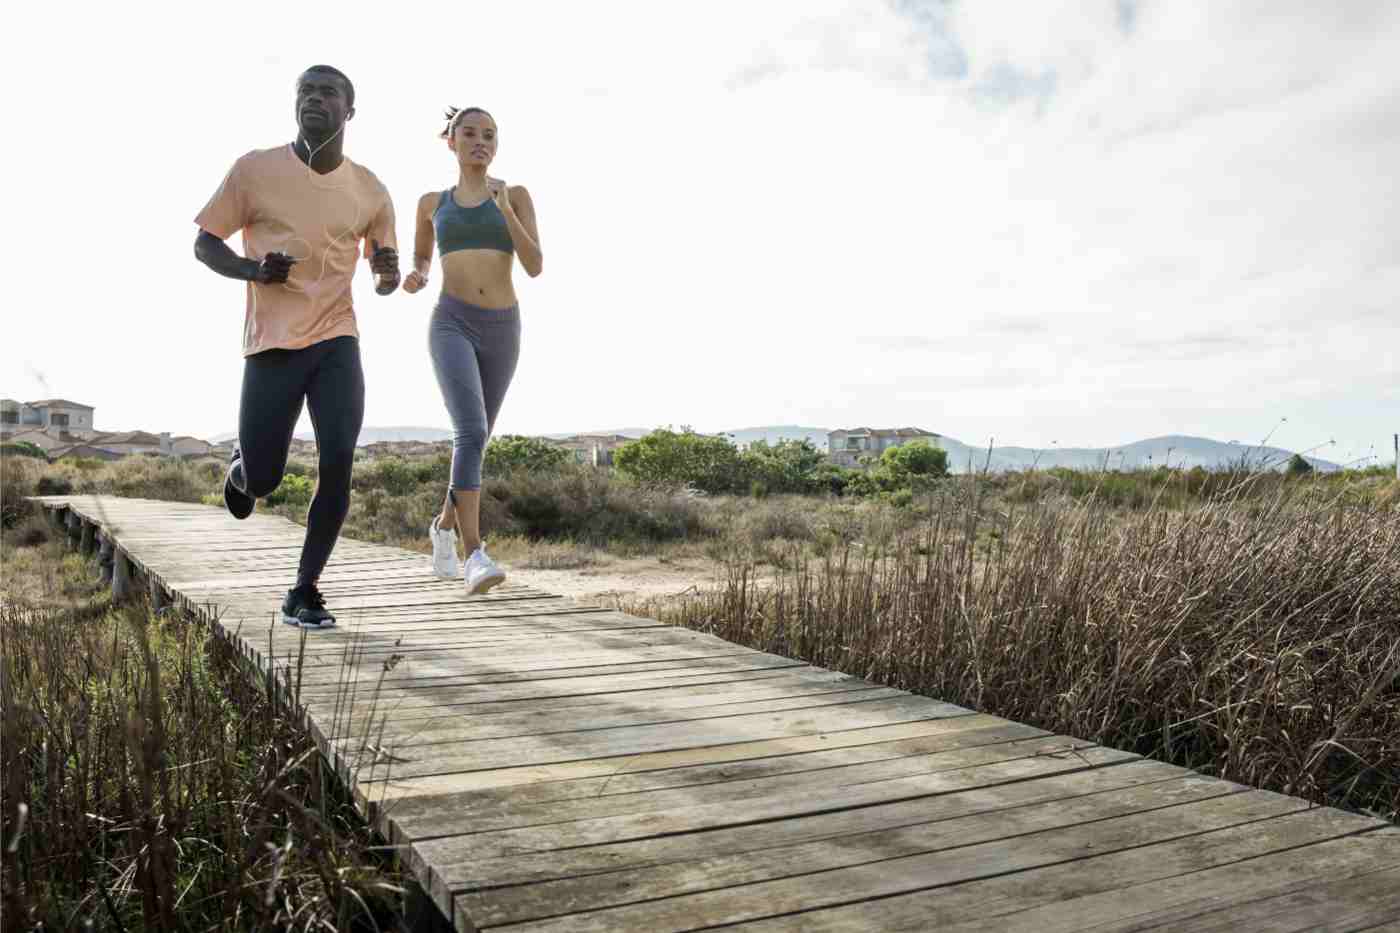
(1174, 450)
(775, 433)
(625, 432)
(370, 435)
(1177, 450)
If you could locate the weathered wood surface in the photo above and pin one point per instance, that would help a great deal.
(547, 765)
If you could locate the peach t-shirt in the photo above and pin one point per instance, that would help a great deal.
(281, 205)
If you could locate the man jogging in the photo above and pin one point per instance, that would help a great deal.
(304, 209)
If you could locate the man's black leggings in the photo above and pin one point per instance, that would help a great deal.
(329, 377)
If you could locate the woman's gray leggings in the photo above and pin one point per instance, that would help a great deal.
(474, 352)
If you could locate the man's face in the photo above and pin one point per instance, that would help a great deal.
(323, 103)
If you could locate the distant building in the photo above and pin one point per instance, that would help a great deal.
(41, 439)
(68, 429)
(186, 446)
(135, 442)
(83, 451)
(60, 418)
(846, 447)
(593, 449)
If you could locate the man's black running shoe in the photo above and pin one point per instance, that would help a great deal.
(238, 502)
(306, 607)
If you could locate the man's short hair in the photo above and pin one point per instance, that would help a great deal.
(349, 87)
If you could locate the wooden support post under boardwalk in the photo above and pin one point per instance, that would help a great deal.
(121, 577)
(88, 541)
(75, 528)
(104, 558)
(159, 600)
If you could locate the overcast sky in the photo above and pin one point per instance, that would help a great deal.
(1083, 222)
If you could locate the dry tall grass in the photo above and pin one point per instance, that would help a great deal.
(148, 782)
(1256, 638)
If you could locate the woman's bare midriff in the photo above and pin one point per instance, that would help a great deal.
(479, 277)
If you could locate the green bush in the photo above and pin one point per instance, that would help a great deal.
(23, 449)
(666, 458)
(293, 490)
(898, 473)
(395, 475)
(585, 506)
(832, 478)
(1297, 466)
(916, 458)
(512, 452)
(16, 483)
(54, 486)
(789, 466)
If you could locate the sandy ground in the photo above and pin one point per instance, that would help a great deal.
(605, 584)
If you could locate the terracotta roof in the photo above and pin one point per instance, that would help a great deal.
(59, 403)
(888, 432)
(143, 438)
(596, 438)
(83, 450)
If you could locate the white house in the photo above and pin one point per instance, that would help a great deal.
(593, 449)
(846, 446)
(55, 415)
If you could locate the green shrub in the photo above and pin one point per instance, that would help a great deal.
(1297, 466)
(586, 506)
(512, 452)
(54, 486)
(16, 482)
(683, 458)
(789, 466)
(23, 449)
(916, 458)
(293, 490)
(436, 469)
(540, 514)
(829, 477)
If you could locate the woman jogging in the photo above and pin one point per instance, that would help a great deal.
(480, 225)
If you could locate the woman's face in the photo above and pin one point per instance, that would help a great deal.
(474, 139)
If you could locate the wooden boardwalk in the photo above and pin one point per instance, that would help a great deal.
(547, 765)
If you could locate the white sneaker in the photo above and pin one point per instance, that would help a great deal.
(444, 550)
(480, 573)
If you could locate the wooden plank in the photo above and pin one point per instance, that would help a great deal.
(590, 798)
(397, 787)
(506, 685)
(671, 696)
(486, 648)
(726, 860)
(487, 689)
(1174, 903)
(676, 826)
(890, 871)
(414, 675)
(439, 730)
(491, 754)
(1059, 868)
